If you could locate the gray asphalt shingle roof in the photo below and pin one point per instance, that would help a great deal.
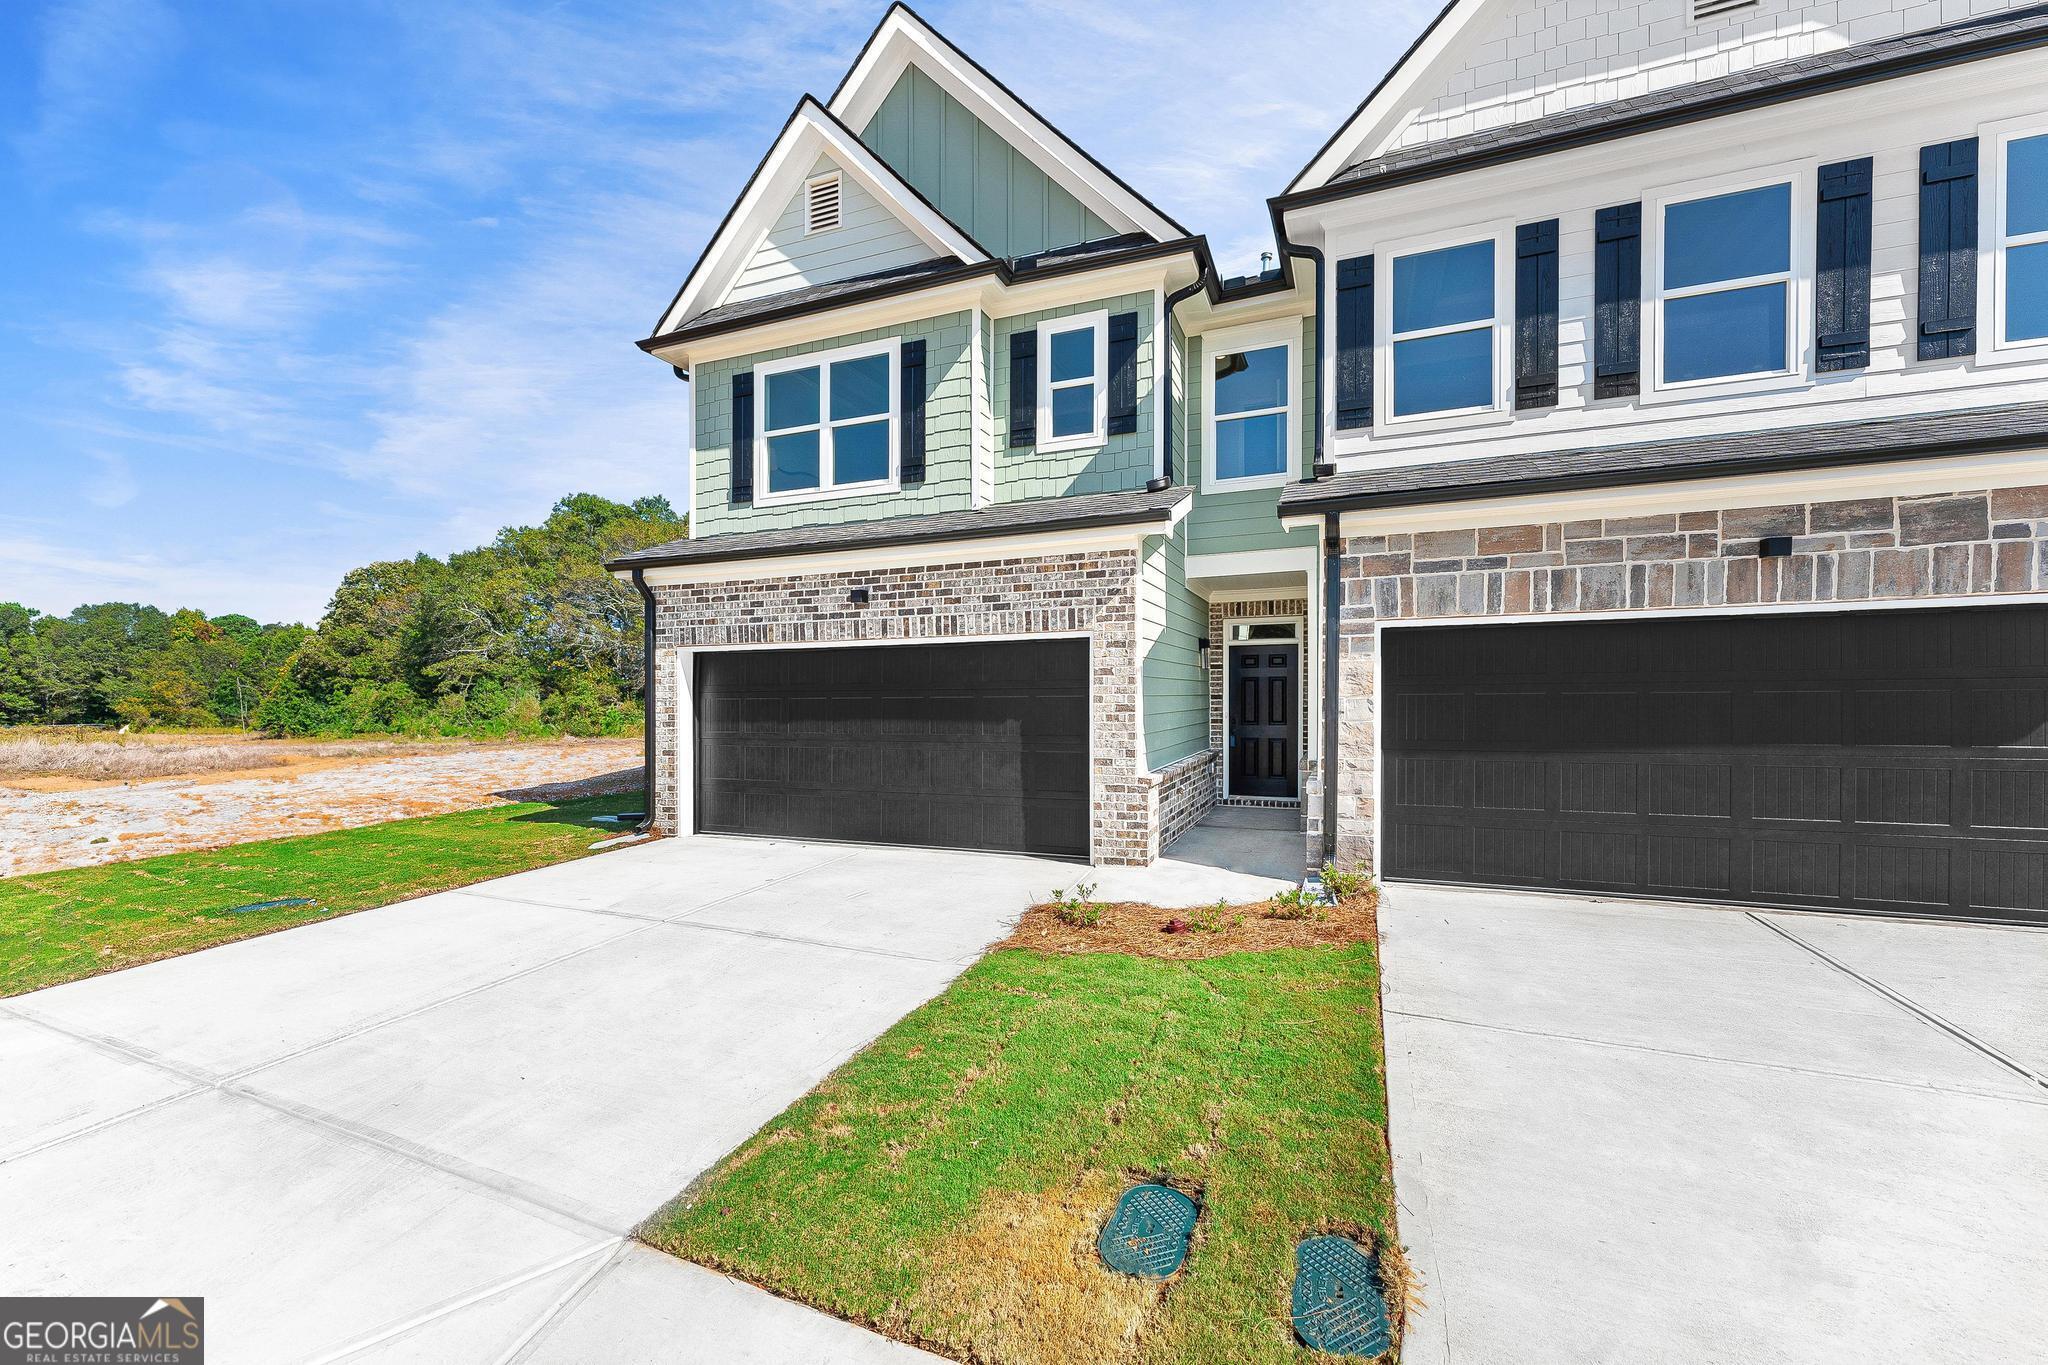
(1008, 518)
(1984, 35)
(2016, 426)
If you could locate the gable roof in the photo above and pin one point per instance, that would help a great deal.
(812, 131)
(903, 38)
(1987, 35)
(1389, 99)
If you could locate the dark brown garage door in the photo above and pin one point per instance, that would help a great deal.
(957, 746)
(1882, 760)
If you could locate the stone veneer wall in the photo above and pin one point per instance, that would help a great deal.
(1182, 793)
(1093, 592)
(1979, 542)
(1220, 615)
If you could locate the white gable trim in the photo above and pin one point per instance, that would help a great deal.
(904, 39)
(1394, 100)
(810, 133)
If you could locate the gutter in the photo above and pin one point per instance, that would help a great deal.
(646, 696)
(1173, 301)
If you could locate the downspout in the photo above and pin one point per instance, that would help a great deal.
(1173, 301)
(1333, 545)
(646, 696)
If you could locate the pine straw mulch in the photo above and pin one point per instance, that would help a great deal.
(1143, 930)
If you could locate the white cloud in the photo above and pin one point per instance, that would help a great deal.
(54, 577)
(95, 54)
(114, 485)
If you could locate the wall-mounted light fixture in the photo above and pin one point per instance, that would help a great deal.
(859, 597)
(1202, 648)
(1774, 547)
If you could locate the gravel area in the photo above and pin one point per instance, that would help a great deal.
(43, 831)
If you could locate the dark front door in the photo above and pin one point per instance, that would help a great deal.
(1892, 761)
(1264, 716)
(953, 745)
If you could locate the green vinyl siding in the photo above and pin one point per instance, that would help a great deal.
(976, 178)
(1171, 621)
(1226, 523)
(949, 438)
(1122, 462)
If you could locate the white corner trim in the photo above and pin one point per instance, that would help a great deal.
(810, 133)
(903, 39)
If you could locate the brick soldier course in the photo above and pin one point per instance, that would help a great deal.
(1964, 544)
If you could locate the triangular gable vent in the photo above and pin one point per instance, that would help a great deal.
(821, 204)
(1714, 9)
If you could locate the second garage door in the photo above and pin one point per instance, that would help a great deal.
(980, 746)
(1891, 760)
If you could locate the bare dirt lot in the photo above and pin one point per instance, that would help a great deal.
(72, 807)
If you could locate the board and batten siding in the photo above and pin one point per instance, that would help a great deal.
(1888, 123)
(1248, 519)
(1121, 462)
(1543, 57)
(869, 238)
(1171, 622)
(975, 177)
(949, 441)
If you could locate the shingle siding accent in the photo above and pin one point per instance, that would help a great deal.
(1093, 593)
(1122, 461)
(1974, 542)
(949, 436)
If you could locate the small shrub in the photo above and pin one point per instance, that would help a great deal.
(1344, 885)
(1294, 903)
(1078, 910)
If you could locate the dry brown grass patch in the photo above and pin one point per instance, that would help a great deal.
(1023, 1284)
(1139, 929)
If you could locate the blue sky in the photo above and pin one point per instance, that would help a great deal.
(291, 286)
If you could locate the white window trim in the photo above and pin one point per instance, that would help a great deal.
(1252, 337)
(1798, 281)
(1099, 434)
(840, 222)
(1992, 242)
(1385, 423)
(822, 361)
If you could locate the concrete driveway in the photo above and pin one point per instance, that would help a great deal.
(422, 1132)
(1626, 1132)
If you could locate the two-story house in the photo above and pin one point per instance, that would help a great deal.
(1630, 479)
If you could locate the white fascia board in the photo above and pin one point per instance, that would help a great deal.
(904, 39)
(988, 293)
(1389, 106)
(1244, 563)
(810, 133)
(1024, 544)
(1902, 478)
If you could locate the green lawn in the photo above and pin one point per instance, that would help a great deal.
(946, 1184)
(57, 926)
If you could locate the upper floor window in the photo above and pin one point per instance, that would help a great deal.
(2022, 227)
(1252, 395)
(1725, 286)
(827, 423)
(1442, 334)
(1073, 397)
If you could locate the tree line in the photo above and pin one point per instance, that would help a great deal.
(526, 635)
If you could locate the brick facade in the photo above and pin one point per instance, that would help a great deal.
(1973, 543)
(1182, 793)
(1092, 593)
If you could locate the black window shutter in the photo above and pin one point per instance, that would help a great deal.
(910, 409)
(1354, 342)
(743, 437)
(1618, 301)
(1536, 315)
(1841, 294)
(1123, 373)
(1024, 388)
(1948, 250)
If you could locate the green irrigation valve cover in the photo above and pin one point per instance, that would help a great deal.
(1338, 1306)
(1148, 1233)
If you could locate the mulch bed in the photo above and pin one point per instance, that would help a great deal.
(1143, 930)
